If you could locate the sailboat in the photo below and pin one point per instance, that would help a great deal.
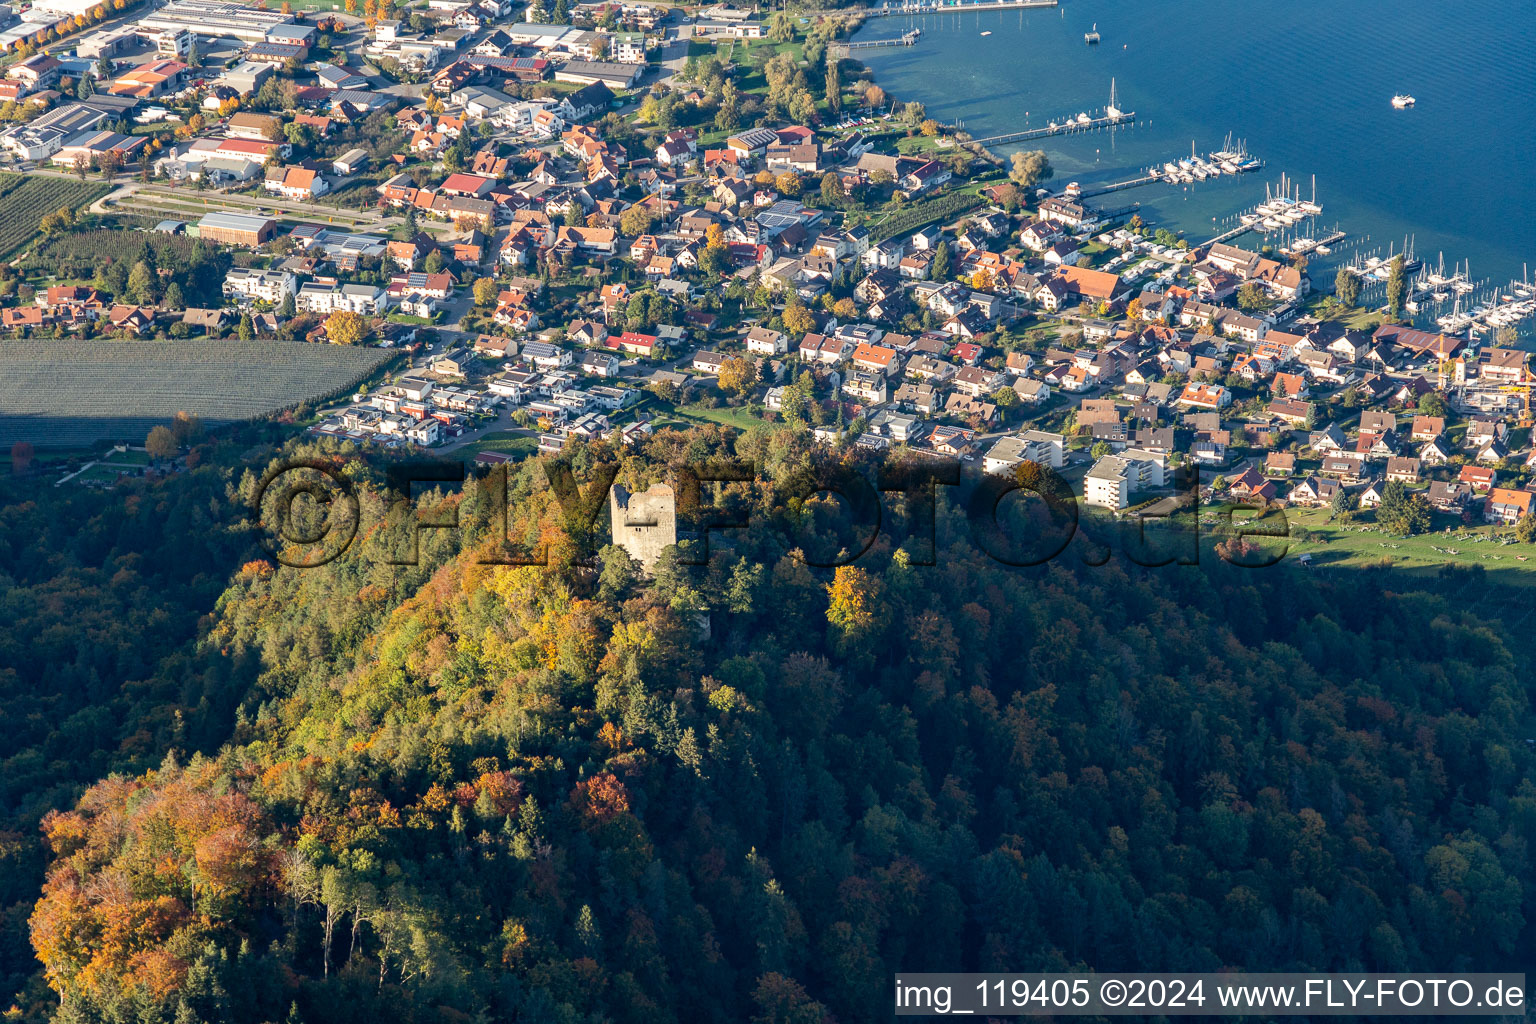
(1311, 206)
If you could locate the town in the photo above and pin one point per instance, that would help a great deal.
(597, 220)
(672, 511)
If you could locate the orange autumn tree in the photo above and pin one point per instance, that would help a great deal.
(146, 871)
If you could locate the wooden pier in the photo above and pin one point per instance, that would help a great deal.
(913, 10)
(1291, 252)
(909, 39)
(1227, 236)
(1147, 179)
(1123, 119)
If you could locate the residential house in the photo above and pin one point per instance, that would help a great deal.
(298, 183)
(248, 284)
(1345, 466)
(1036, 446)
(1506, 506)
(1427, 428)
(866, 387)
(706, 361)
(1497, 365)
(1314, 492)
(1280, 463)
(977, 381)
(1205, 396)
(1404, 468)
(875, 359)
(762, 341)
(1450, 496)
(1435, 452)
(1483, 430)
(1370, 496)
(917, 396)
(1481, 479)
(1114, 478)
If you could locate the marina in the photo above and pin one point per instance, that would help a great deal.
(1452, 301)
(1375, 185)
(1282, 209)
(1231, 159)
(1307, 246)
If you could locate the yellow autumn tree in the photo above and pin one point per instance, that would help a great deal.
(738, 375)
(855, 611)
(798, 319)
(345, 327)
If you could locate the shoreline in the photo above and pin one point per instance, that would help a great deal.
(1368, 190)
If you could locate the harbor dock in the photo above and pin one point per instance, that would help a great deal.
(957, 7)
(1147, 179)
(908, 39)
(1082, 123)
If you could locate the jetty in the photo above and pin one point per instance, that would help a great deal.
(1112, 117)
(908, 39)
(916, 9)
(1226, 236)
(1146, 179)
(1081, 123)
(1305, 246)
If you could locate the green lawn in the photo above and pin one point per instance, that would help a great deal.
(1359, 318)
(725, 414)
(131, 457)
(1363, 543)
(666, 413)
(924, 145)
(515, 445)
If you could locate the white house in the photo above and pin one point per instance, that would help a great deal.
(1037, 446)
(316, 297)
(1114, 478)
(249, 284)
(762, 341)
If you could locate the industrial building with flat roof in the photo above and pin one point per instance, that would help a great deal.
(586, 72)
(236, 228)
(216, 19)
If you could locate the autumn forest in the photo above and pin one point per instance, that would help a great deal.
(748, 790)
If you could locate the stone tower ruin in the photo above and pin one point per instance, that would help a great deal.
(644, 523)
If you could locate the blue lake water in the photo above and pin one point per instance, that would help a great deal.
(1308, 84)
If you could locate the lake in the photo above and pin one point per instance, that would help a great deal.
(1307, 84)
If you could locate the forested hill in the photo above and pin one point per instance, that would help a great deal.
(456, 791)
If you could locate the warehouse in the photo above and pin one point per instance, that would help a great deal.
(589, 72)
(215, 19)
(236, 228)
